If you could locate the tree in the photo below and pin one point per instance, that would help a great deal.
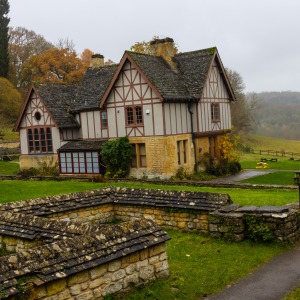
(10, 101)
(4, 37)
(86, 57)
(166, 50)
(65, 43)
(23, 44)
(241, 110)
(55, 65)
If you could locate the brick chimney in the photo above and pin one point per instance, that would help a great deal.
(165, 48)
(97, 61)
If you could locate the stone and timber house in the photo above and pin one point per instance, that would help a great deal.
(173, 110)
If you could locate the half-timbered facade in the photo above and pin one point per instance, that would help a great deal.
(173, 111)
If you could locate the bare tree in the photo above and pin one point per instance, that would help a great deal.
(65, 44)
(242, 110)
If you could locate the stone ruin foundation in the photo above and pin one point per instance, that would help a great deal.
(64, 247)
(90, 244)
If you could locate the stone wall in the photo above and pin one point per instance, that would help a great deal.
(76, 261)
(234, 222)
(63, 249)
(118, 275)
(35, 161)
(158, 147)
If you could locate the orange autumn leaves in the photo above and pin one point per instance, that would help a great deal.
(56, 66)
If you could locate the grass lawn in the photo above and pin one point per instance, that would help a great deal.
(200, 266)
(249, 160)
(9, 168)
(280, 178)
(12, 190)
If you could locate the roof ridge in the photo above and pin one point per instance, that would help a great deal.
(210, 51)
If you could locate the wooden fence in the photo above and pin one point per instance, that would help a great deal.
(276, 153)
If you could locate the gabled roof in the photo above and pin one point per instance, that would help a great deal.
(168, 82)
(94, 84)
(182, 80)
(59, 101)
(194, 67)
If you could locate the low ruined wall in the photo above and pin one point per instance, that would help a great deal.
(119, 275)
(58, 259)
(167, 218)
(65, 249)
(271, 223)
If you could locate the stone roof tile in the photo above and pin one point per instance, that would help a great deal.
(94, 85)
(59, 99)
(59, 259)
(167, 81)
(194, 67)
(83, 145)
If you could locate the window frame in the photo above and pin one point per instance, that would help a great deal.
(182, 152)
(140, 159)
(39, 140)
(215, 112)
(79, 162)
(134, 115)
(104, 121)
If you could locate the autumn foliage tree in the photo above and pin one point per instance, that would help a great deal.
(56, 66)
(10, 102)
(23, 44)
(166, 50)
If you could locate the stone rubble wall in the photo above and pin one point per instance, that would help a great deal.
(236, 223)
(119, 275)
(167, 218)
(37, 223)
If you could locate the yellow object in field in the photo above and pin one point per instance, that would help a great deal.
(262, 165)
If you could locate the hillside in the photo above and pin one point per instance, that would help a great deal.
(268, 143)
(277, 115)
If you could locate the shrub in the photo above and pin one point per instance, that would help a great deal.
(234, 167)
(48, 168)
(257, 230)
(181, 174)
(27, 173)
(116, 155)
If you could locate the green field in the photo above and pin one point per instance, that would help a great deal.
(249, 161)
(267, 143)
(13, 190)
(274, 178)
(9, 168)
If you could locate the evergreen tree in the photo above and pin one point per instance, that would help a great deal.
(4, 20)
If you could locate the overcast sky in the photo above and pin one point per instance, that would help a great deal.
(260, 39)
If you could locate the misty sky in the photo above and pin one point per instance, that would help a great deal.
(260, 39)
